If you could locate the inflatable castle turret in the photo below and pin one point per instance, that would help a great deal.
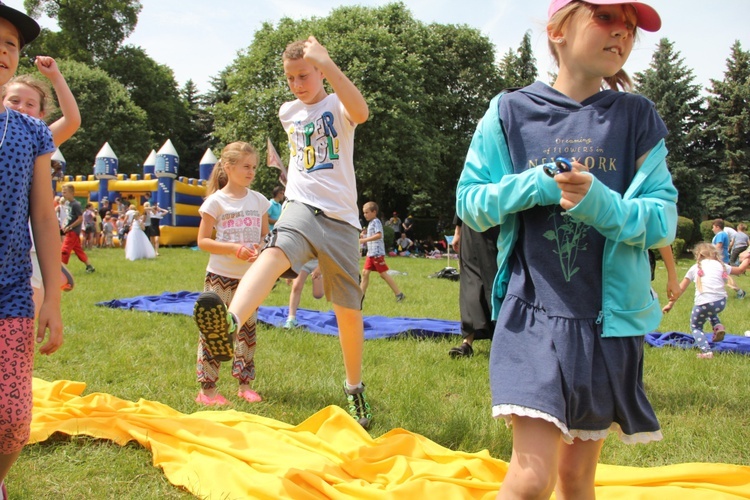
(180, 196)
(149, 165)
(207, 164)
(166, 167)
(105, 169)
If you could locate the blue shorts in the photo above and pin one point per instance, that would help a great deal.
(563, 371)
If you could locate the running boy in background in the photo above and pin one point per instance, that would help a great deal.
(721, 242)
(321, 216)
(72, 229)
(25, 194)
(375, 260)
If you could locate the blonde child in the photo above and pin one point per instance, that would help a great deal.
(375, 260)
(240, 218)
(31, 96)
(710, 275)
(26, 148)
(321, 217)
(572, 295)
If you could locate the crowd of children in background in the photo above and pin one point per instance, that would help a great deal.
(110, 226)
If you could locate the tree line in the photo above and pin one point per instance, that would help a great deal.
(427, 86)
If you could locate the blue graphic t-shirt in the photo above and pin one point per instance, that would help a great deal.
(26, 139)
(274, 212)
(723, 238)
(608, 133)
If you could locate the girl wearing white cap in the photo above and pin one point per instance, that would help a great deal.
(575, 177)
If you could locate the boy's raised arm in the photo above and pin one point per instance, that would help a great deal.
(350, 96)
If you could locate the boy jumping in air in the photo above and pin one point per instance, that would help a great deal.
(321, 218)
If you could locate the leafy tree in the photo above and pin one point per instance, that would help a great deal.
(728, 130)
(518, 67)
(423, 109)
(197, 137)
(669, 84)
(107, 115)
(90, 30)
(153, 88)
(461, 93)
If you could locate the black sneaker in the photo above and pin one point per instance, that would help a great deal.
(90, 268)
(359, 409)
(400, 297)
(463, 351)
(216, 325)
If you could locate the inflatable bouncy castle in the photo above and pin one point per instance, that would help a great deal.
(160, 183)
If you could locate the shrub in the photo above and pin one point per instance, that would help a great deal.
(685, 228)
(707, 233)
(678, 246)
(389, 237)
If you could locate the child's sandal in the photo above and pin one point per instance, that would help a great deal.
(250, 396)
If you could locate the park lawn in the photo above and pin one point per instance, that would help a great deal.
(412, 383)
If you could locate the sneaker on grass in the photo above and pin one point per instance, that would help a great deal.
(359, 409)
(216, 325)
(291, 323)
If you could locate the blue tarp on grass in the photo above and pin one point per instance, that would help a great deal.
(731, 343)
(324, 322)
(378, 326)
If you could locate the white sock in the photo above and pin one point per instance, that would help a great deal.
(350, 387)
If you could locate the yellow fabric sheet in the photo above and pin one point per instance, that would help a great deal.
(230, 454)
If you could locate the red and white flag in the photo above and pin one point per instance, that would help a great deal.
(274, 160)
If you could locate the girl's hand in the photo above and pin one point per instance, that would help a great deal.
(47, 66)
(51, 321)
(673, 290)
(667, 307)
(574, 185)
(248, 253)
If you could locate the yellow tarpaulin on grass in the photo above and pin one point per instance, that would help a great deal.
(230, 454)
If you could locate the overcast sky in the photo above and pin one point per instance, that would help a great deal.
(197, 39)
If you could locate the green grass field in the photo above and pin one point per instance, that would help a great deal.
(412, 383)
